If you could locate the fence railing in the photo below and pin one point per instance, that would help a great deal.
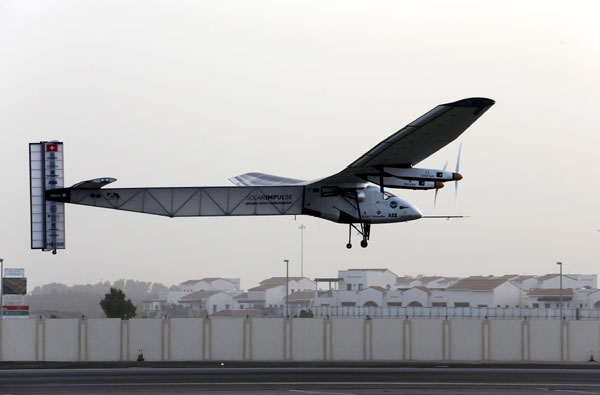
(451, 312)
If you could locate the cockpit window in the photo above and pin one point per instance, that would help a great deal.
(386, 196)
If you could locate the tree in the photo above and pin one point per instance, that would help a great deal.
(115, 305)
(306, 314)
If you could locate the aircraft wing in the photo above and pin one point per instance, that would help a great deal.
(416, 141)
(261, 179)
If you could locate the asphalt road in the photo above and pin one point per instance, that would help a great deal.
(340, 381)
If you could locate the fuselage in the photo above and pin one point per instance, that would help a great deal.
(367, 204)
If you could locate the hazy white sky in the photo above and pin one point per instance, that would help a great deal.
(189, 93)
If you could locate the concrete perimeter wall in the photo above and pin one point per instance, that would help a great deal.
(298, 339)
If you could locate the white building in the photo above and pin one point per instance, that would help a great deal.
(173, 296)
(265, 295)
(295, 283)
(430, 282)
(231, 285)
(301, 300)
(359, 279)
(483, 292)
(416, 297)
(209, 302)
(553, 281)
(549, 298)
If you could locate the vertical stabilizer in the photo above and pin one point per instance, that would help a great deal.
(46, 172)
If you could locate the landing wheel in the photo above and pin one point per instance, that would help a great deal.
(364, 244)
(348, 246)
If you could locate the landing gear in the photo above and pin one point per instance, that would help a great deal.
(364, 230)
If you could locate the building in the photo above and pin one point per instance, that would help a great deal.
(359, 279)
(549, 298)
(210, 284)
(209, 302)
(301, 300)
(174, 296)
(479, 291)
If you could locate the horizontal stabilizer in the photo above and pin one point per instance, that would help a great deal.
(93, 184)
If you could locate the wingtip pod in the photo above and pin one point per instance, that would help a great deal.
(472, 102)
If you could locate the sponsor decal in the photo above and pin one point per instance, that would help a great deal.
(283, 196)
(266, 199)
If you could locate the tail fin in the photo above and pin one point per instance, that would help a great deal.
(46, 172)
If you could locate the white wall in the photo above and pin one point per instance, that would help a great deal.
(584, 338)
(544, 340)
(269, 333)
(220, 301)
(226, 338)
(303, 339)
(18, 340)
(347, 339)
(352, 277)
(426, 339)
(387, 339)
(415, 295)
(145, 334)
(554, 282)
(61, 340)
(466, 340)
(186, 339)
(474, 298)
(370, 295)
(274, 296)
(103, 339)
(505, 340)
(308, 337)
(507, 294)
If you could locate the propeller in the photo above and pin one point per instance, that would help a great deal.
(457, 168)
(436, 191)
(456, 175)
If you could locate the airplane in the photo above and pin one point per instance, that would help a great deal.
(356, 196)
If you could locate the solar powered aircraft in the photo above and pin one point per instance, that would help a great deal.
(357, 196)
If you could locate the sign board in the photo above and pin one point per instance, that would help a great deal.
(46, 172)
(14, 272)
(15, 311)
(14, 286)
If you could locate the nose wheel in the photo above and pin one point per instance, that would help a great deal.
(365, 231)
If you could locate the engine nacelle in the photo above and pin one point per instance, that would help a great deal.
(422, 174)
(401, 183)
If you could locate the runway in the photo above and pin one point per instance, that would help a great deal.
(291, 381)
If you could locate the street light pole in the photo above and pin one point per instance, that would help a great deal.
(560, 292)
(287, 284)
(302, 227)
(1, 289)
